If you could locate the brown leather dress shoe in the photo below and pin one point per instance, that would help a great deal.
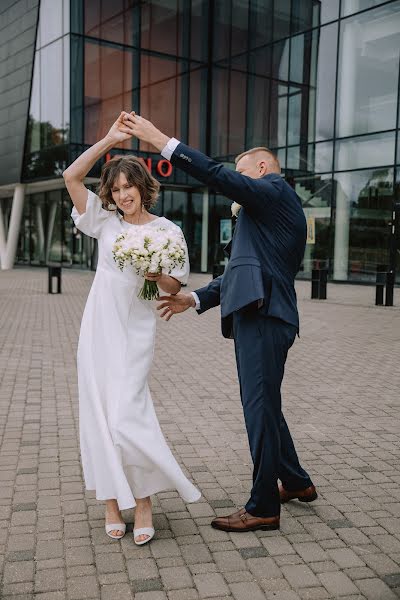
(243, 521)
(307, 495)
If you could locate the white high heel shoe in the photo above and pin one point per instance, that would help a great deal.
(143, 531)
(115, 527)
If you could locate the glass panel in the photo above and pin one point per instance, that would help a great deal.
(297, 59)
(240, 26)
(278, 116)
(294, 117)
(322, 103)
(323, 157)
(50, 21)
(280, 60)
(109, 20)
(66, 13)
(293, 158)
(161, 95)
(260, 22)
(108, 88)
(315, 194)
(199, 30)
(198, 105)
(33, 133)
(162, 26)
(302, 15)
(257, 111)
(38, 229)
(365, 151)
(66, 88)
(281, 19)
(281, 154)
(397, 226)
(325, 11)
(237, 113)
(222, 29)
(352, 6)
(23, 255)
(368, 71)
(53, 228)
(51, 95)
(219, 128)
(362, 223)
(219, 209)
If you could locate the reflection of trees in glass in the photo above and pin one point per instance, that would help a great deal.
(46, 149)
(378, 191)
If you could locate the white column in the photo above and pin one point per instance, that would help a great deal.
(346, 105)
(204, 234)
(342, 227)
(9, 251)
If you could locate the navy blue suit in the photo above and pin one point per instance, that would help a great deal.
(258, 305)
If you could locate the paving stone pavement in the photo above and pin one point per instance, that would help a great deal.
(341, 398)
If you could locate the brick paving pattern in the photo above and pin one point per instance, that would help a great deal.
(341, 398)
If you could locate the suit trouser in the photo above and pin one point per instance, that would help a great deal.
(261, 346)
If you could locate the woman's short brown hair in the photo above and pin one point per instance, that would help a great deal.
(136, 174)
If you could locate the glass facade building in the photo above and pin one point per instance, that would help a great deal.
(317, 81)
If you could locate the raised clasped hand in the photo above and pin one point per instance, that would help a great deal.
(119, 132)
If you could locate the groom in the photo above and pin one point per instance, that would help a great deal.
(258, 306)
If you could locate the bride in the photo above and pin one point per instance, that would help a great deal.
(125, 457)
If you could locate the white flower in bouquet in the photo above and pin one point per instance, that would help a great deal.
(150, 250)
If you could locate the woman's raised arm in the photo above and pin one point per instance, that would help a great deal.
(77, 171)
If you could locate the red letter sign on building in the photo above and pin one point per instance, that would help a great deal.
(163, 168)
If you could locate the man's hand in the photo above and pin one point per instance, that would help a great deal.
(145, 130)
(172, 305)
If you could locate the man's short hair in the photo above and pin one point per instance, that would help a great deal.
(273, 156)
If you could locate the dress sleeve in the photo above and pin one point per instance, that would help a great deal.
(181, 273)
(92, 220)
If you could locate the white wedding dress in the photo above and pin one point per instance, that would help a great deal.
(124, 453)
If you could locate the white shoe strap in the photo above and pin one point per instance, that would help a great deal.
(115, 527)
(144, 531)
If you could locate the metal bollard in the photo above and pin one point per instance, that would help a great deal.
(315, 284)
(380, 287)
(389, 288)
(54, 271)
(319, 279)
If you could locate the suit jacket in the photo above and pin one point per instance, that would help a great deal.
(267, 246)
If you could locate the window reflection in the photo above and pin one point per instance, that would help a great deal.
(108, 88)
(323, 75)
(315, 193)
(362, 223)
(325, 11)
(352, 6)
(161, 91)
(364, 151)
(368, 71)
(109, 20)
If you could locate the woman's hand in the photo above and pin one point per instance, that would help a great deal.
(119, 132)
(153, 276)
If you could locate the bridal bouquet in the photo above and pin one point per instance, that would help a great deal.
(150, 250)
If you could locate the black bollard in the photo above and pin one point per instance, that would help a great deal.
(319, 279)
(389, 288)
(380, 287)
